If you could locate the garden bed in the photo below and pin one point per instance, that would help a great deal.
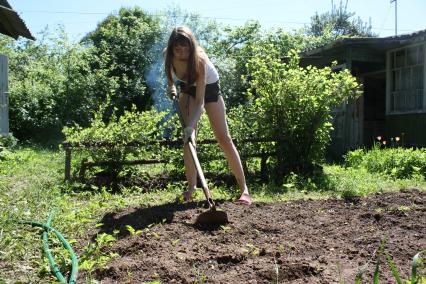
(305, 241)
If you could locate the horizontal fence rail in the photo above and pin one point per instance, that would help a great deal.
(69, 146)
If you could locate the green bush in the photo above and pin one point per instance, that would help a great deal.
(121, 53)
(108, 141)
(47, 80)
(7, 143)
(397, 162)
(51, 76)
(293, 105)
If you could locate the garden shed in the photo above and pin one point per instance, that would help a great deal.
(11, 25)
(392, 73)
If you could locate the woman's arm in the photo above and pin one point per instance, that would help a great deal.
(199, 96)
(171, 90)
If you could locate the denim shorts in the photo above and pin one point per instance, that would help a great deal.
(211, 95)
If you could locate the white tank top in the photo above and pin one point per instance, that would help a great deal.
(212, 76)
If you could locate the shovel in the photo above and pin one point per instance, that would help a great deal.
(212, 216)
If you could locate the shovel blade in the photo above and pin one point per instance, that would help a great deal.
(212, 217)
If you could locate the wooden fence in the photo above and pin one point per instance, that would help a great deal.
(70, 146)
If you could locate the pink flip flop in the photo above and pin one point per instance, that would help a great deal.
(245, 199)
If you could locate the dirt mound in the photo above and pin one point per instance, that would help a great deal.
(315, 241)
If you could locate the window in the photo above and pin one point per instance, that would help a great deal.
(407, 92)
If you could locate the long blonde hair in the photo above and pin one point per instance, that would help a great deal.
(183, 36)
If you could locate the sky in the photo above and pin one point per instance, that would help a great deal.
(80, 17)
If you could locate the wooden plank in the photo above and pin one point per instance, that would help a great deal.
(365, 54)
(4, 96)
(67, 146)
(424, 77)
(86, 164)
(67, 164)
(178, 142)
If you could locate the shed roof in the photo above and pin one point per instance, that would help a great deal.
(376, 43)
(11, 24)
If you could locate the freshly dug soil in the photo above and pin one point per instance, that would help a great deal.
(306, 241)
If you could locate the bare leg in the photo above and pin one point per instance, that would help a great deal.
(186, 105)
(216, 113)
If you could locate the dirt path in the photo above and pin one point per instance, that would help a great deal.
(286, 242)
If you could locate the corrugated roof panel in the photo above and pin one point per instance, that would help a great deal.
(11, 24)
(5, 4)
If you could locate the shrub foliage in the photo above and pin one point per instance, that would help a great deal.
(293, 105)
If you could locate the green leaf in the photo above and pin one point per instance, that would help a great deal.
(414, 265)
(393, 268)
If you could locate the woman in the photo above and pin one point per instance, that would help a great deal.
(199, 82)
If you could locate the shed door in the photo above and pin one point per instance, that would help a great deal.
(354, 119)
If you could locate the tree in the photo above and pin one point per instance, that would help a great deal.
(45, 84)
(121, 53)
(231, 53)
(339, 23)
(235, 48)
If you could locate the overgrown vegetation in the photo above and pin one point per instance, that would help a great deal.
(7, 143)
(121, 52)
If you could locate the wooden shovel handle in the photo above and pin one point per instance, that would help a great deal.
(195, 160)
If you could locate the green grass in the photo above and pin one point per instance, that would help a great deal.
(337, 181)
(31, 185)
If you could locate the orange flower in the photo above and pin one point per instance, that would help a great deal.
(384, 142)
(397, 138)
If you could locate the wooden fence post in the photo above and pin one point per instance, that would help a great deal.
(263, 173)
(4, 96)
(67, 163)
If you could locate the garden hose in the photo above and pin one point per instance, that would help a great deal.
(74, 262)
(46, 249)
